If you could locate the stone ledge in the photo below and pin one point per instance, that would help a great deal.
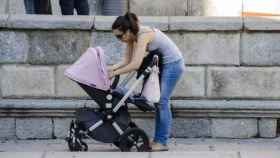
(205, 23)
(104, 23)
(262, 23)
(159, 22)
(164, 23)
(236, 118)
(180, 108)
(50, 22)
(226, 108)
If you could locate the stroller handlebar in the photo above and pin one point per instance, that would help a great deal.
(155, 61)
(115, 82)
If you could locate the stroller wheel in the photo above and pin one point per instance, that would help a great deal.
(116, 143)
(74, 139)
(134, 139)
(77, 145)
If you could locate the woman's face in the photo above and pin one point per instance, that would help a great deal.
(122, 36)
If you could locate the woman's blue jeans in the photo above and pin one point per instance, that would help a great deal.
(170, 75)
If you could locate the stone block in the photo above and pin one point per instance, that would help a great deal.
(208, 48)
(61, 127)
(260, 49)
(234, 128)
(262, 24)
(112, 46)
(66, 87)
(14, 47)
(243, 82)
(215, 8)
(187, 23)
(192, 83)
(27, 81)
(39, 128)
(147, 124)
(191, 128)
(267, 127)
(57, 47)
(159, 7)
(7, 128)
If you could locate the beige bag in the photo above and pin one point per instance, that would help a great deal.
(151, 90)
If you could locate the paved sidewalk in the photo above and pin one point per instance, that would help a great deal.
(189, 148)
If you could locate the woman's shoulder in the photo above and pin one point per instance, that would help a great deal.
(146, 32)
(146, 29)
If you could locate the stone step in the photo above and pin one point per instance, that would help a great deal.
(192, 118)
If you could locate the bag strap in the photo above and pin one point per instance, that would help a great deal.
(156, 62)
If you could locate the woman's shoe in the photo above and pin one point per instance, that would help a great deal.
(159, 147)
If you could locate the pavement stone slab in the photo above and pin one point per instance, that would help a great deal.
(21, 154)
(260, 154)
(208, 154)
(96, 154)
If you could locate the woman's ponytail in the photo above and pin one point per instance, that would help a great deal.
(134, 22)
(127, 22)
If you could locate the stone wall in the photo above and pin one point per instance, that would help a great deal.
(229, 88)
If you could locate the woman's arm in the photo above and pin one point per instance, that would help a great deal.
(137, 55)
(125, 61)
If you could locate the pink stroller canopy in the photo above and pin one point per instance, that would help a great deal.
(90, 69)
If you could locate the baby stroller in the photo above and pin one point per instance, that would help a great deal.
(111, 123)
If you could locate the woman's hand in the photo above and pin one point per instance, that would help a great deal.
(110, 68)
(111, 73)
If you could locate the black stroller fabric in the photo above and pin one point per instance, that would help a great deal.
(148, 59)
(105, 133)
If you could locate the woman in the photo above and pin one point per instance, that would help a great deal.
(140, 39)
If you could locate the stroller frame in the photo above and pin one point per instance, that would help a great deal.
(128, 137)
